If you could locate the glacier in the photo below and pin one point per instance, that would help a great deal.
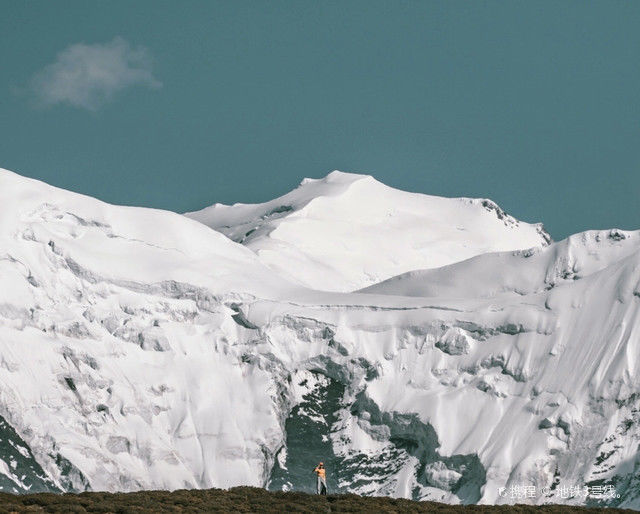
(423, 347)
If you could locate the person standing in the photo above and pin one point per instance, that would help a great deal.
(321, 485)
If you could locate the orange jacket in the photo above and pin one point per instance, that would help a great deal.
(321, 472)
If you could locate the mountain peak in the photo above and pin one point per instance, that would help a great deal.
(337, 176)
(326, 233)
(343, 176)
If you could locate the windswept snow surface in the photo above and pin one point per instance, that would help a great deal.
(141, 349)
(347, 231)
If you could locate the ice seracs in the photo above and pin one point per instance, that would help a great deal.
(347, 231)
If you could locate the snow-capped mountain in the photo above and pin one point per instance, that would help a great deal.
(347, 231)
(142, 349)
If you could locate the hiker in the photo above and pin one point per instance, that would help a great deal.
(321, 485)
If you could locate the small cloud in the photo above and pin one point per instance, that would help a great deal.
(87, 76)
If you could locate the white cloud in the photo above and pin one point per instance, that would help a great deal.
(89, 75)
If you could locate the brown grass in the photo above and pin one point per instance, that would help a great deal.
(244, 499)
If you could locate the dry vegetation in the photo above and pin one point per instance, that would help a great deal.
(243, 499)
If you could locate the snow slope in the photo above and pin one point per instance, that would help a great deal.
(347, 231)
(521, 272)
(92, 298)
(141, 349)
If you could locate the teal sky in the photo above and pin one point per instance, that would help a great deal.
(533, 104)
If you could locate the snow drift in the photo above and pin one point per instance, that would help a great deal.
(142, 349)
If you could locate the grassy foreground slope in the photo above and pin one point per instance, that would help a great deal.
(244, 499)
